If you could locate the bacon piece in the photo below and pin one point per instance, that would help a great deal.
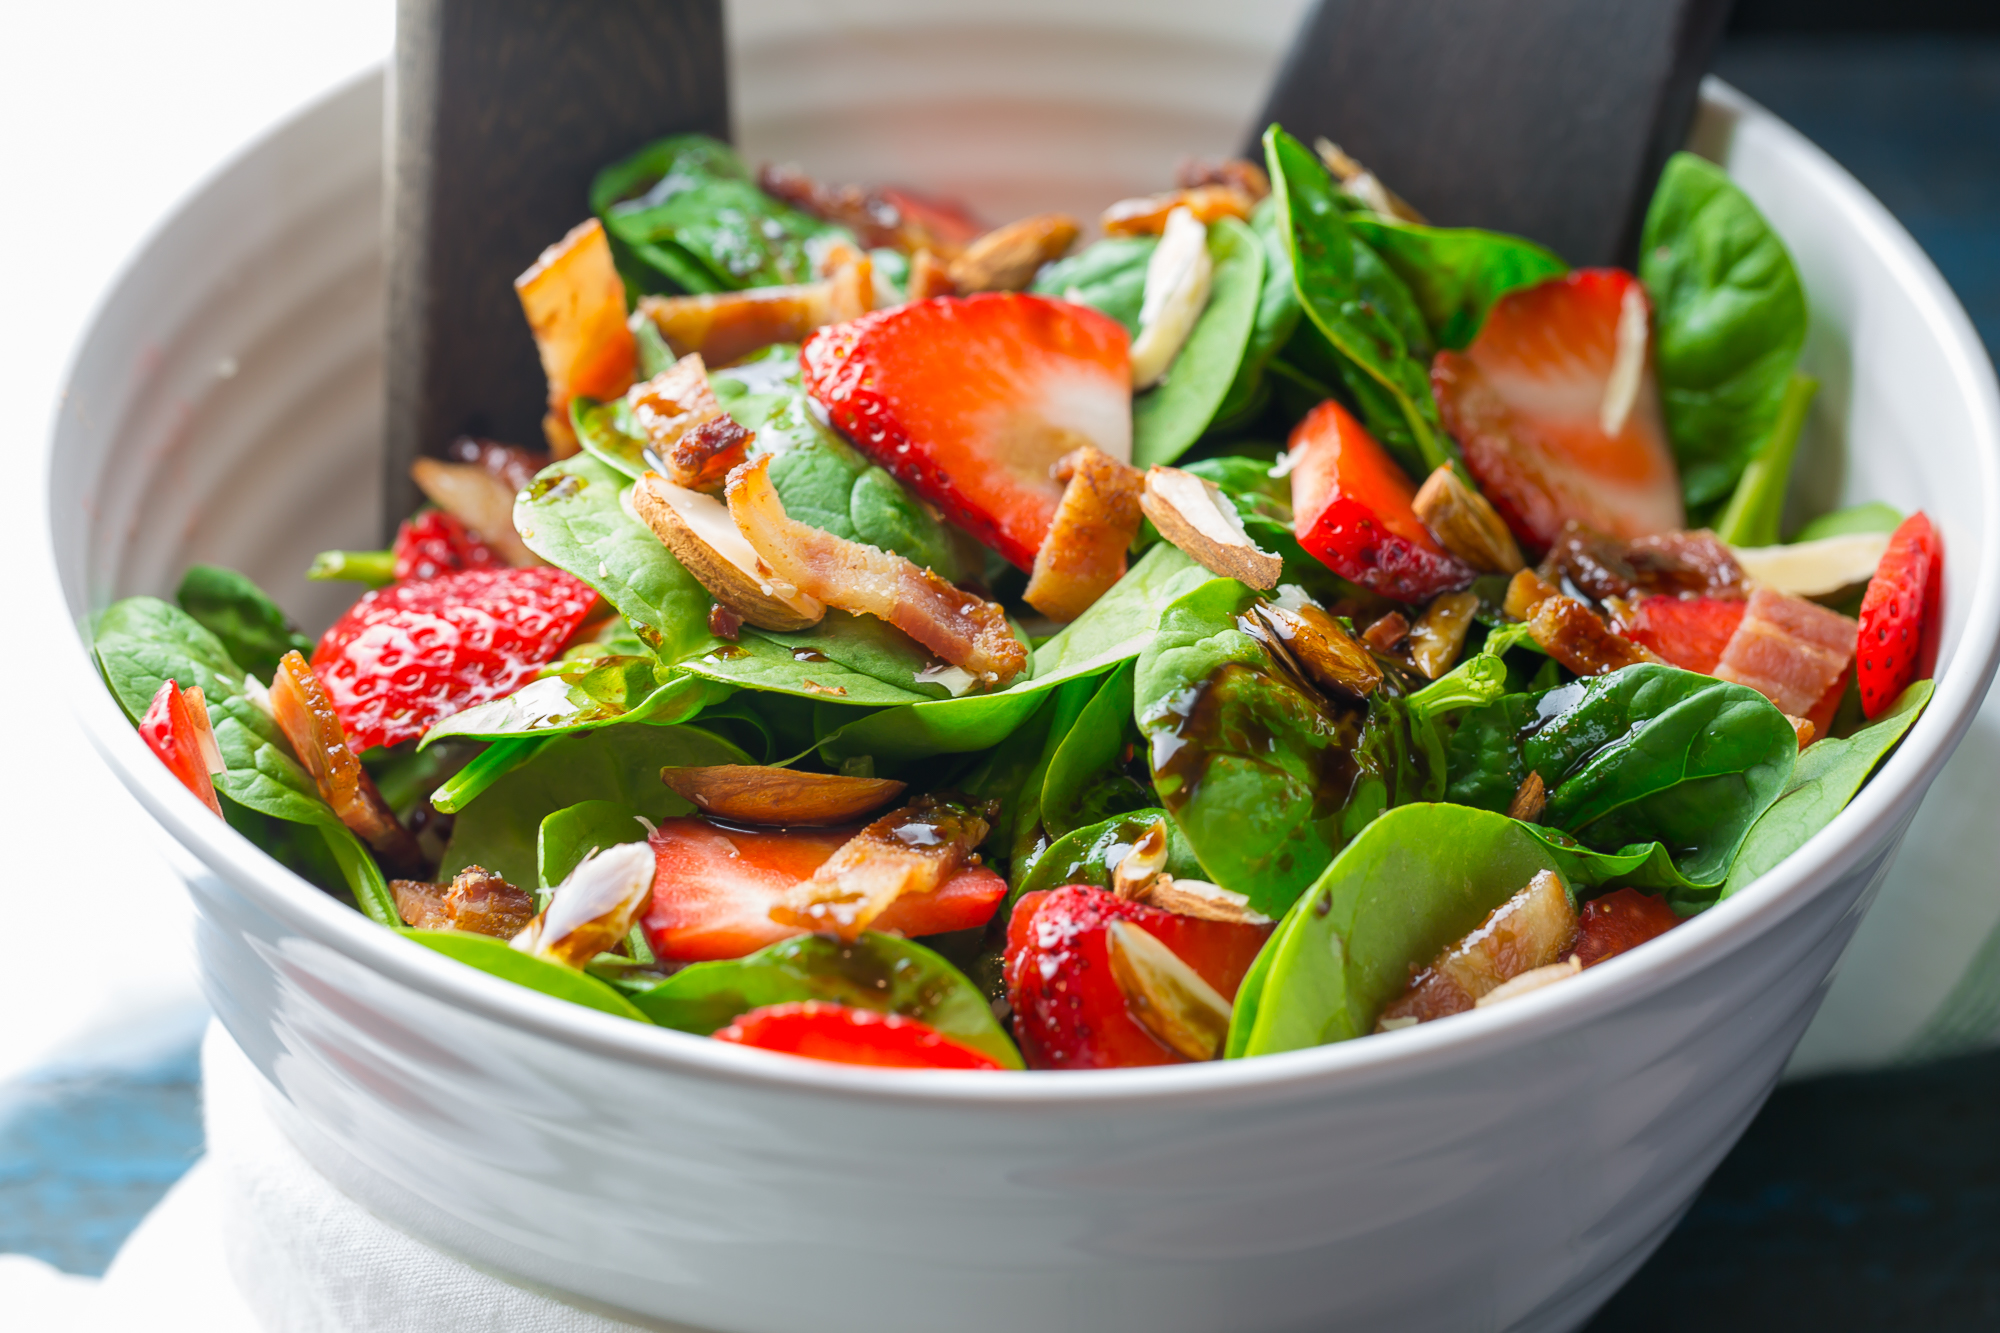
(1530, 930)
(1147, 215)
(575, 303)
(1007, 258)
(1577, 637)
(1095, 522)
(476, 900)
(1240, 173)
(908, 851)
(959, 627)
(1789, 650)
(726, 326)
(886, 217)
(304, 712)
(1602, 567)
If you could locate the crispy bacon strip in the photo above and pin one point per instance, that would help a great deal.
(304, 712)
(1577, 637)
(1530, 930)
(575, 303)
(1247, 176)
(887, 216)
(1006, 258)
(1147, 215)
(1789, 650)
(1603, 567)
(726, 326)
(959, 627)
(476, 900)
(1095, 522)
(910, 850)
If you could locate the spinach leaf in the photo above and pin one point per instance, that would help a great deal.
(1649, 753)
(1751, 518)
(878, 972)
(1358, 307)
(1258, 489)
(1455, 274)
(1091, 748)
(1108, 276)
(1089, 854)
(1027, 835)
(575, 831)
(1418, 879)
(501, 830)
(1873, 516)
(684, 213)
(1277, 316)
(496, 958)
(143, 642)
(854, 659)
(249, 625)
(1729, 318)
(1828, 775)
(573, 515)
(583, 698)
(1169, 418)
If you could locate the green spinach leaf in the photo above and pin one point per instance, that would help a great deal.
(1455, 274)
(249, 625)
(1091, 748)
(496, 958)
(1169, 418)
(1108, 276)
(1277, 316)
(1756, 506)
(575, 831)
(1873, 516)
(1729, 318)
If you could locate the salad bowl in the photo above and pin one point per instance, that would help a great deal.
(1505, 1170)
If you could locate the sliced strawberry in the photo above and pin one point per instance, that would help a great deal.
(716, 886)
(1690, 632)
(819, 1030)
(1530, 398)
(972, 401)
(1620, 920)
(1821, 713)
(433, 542)
(405, 656)
(176, 729)
(1353, 511)
(1068, 1010)
(1899, 614)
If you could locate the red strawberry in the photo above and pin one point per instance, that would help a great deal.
(176, 729)
(1352, 510)
(1689, 632)
(715, 888)
(1899, 614)
(1529, 400)
(1618, 921)
(972, 400)
(405, 656)
(1068, 1010)
(433, 542)
(819, 1030)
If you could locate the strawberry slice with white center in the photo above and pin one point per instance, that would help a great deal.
(715, 888)
(1557, 410)
(972, 401)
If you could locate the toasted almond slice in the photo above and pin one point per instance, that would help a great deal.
(1314, 645)
(697, 529)
(1530, 930)
(907, 851)
(1439, 634)
(1147, 215)
(1135, 872)
(1095, 522)
(1006, 258)
(1177, 279)
(1194, 514)
(1166, 996)
(1465, 523)
(1813, 569)
(480, 500)
(757, 794)
(1384, 634)
(1363, 184)
(1202, 900)
(594, 908)
(1530, 799)
(1531, 980)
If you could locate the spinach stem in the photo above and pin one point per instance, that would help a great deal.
(496, 761)
(1752, 515)
(375, 568)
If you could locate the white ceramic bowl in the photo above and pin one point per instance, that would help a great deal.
(1504, 1169)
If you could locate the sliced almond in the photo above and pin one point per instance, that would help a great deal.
(1439, 634)
(1530, 799)
(1194, 514)
(1166, 996)
(1814, 569)
(1200, 899)
(480, 500)
(1384, 634)
(1147, 215)
(1532, 980)
(1363, 184)
(757, 794)
(594, 907)
(1531, 930)
(1177, 282)
(1314, 645)
(698, 530)
(1140, 866)
(1006, 258)
(1465, 523)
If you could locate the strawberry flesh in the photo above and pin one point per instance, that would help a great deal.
(715, 887)
(173, 733)
(1353, 511)
(842, 1034)
(1620, 920)
(1526, 401)
(972, 401)
(1899, 614)
(406, 656)
(1068, 1010)
(433, 542)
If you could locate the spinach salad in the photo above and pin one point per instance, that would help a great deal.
(1275, 621)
